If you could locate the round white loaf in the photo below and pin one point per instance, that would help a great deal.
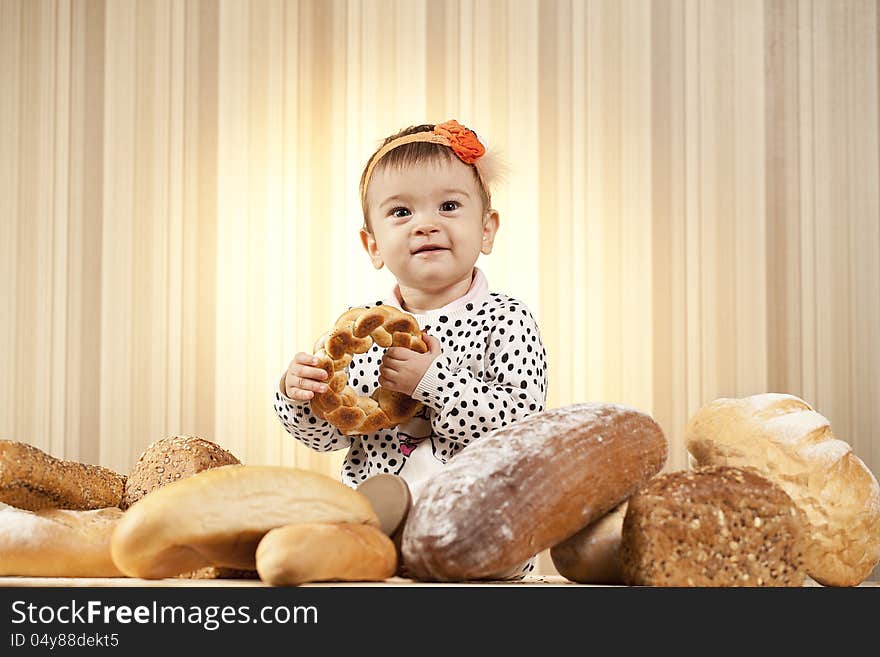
(793, 445)
(218, 516)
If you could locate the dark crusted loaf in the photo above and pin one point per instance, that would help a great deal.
(713, 526)
(31, 479)
(528, 486)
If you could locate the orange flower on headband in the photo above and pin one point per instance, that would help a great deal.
(463, 142)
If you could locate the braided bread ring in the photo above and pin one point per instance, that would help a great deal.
(355, 332)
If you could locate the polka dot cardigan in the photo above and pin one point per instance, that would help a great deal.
(493, 371)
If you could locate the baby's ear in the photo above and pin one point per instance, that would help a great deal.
(490, 228)
(372, 249)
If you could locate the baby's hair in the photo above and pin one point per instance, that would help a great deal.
(420, 152)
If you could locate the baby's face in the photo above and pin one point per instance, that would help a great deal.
(427, 223)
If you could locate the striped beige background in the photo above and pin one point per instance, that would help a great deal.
(692, 209)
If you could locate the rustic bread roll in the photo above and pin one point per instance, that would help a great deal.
(57, 542)
(793, 445)
(390, 498)
(714, 526)
(218, 516)
(354, 333)
(170, 459)
(323, 552)
(592, 556)
(528, 486)
(32, 479)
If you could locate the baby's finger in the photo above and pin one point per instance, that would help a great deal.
(389, 366)
(396, 353)
(302, 358)
(432, 343)
(310, 372)
(299, 395)
(296, 381)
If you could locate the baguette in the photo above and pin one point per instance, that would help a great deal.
(527, 487)
(57, 542)
(218, 516)
(31, 479)
(322, 552)
(793, 445)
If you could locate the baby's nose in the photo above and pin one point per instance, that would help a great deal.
(425, 228)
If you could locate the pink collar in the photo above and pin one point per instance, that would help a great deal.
(478, 289)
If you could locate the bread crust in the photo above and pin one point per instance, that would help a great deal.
(170, 459)
(592, 556)
(528, 486)
(712, 526)
(322, 552)
(794, 446)
(57, 542)
(218, 517)
(31, 479)
(354, 333)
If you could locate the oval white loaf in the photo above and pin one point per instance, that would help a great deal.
(324, 552)
(218, 516)
(793, 445)
(57, 542)
(528, 486)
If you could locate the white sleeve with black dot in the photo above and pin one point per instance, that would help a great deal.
(299, 421)
(486, 383)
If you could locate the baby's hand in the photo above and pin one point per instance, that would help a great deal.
(303, 380)
(402, 369)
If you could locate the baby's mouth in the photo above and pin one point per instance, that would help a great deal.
(429, 248)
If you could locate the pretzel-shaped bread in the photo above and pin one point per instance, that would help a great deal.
(354, 333)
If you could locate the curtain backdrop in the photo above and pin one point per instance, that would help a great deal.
(691, 210)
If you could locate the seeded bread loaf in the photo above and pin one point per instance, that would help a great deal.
(57, 542)
(217, 517)
(170, 459)
(323, 552)
(32, 479)
(713, 526)
(526, 487)
(793, 445)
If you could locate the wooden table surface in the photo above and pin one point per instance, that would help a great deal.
(181, 582)
(178, 582)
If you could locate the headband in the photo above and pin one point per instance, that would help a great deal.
(463, 142)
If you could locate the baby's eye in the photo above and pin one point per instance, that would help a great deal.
(450, 206)
(396, 212)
